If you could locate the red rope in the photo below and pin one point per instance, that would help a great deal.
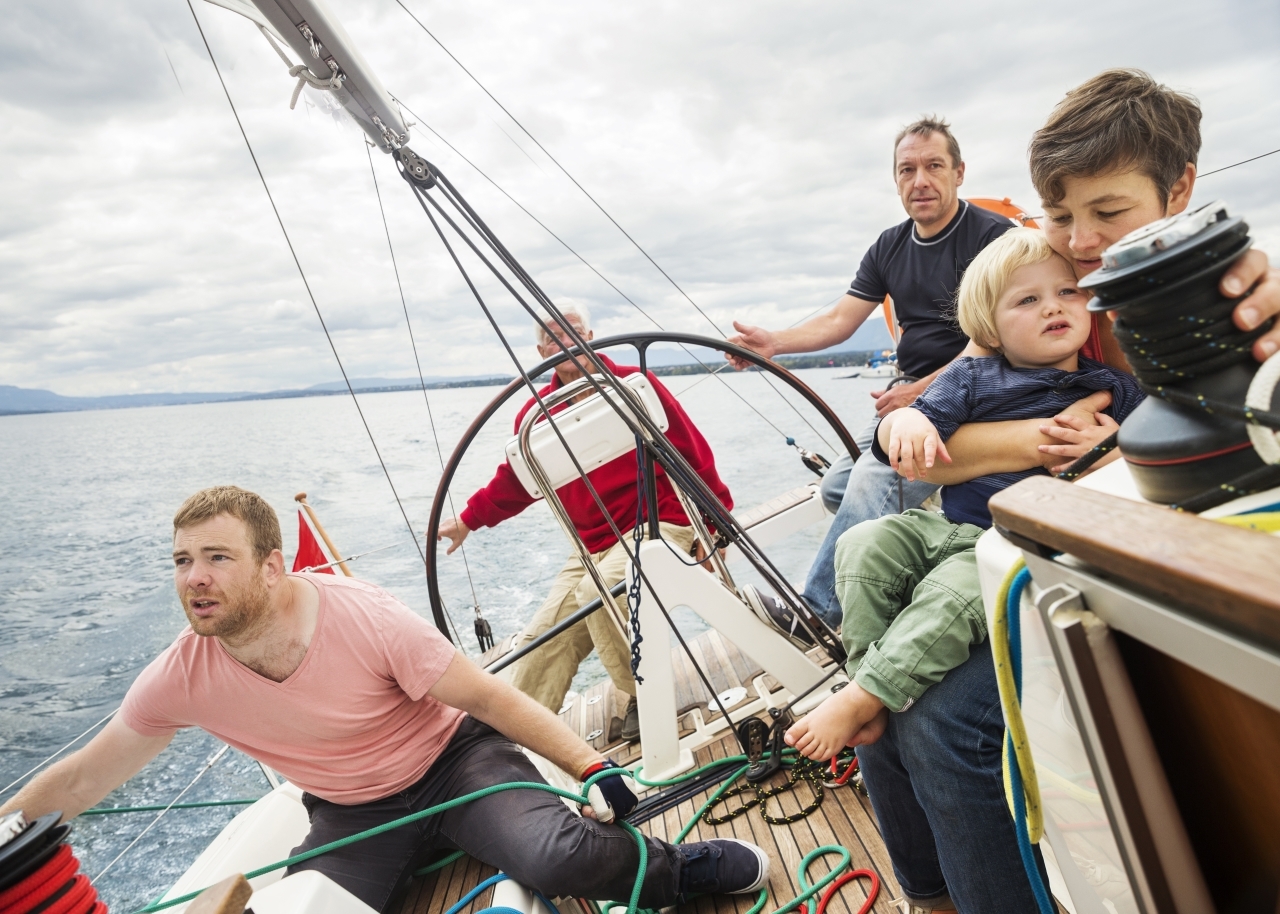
(872, 893)
(842, 778)
(80, 899)
(41, 884)
(56, 887)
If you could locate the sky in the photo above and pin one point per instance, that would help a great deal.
(745, 145)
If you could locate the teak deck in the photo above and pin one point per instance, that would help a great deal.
(844, 818)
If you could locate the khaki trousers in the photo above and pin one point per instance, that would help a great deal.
(545, 675)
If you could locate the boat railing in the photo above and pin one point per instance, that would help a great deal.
(1165, 630)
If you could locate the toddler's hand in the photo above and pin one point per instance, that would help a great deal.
(914, 444)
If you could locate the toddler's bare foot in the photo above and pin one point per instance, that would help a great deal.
(850, 717)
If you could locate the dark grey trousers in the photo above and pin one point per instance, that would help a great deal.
(528, 834)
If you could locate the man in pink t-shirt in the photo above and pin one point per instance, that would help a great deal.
(367, 707)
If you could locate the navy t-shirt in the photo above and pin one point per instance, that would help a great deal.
(989, 389)
(922, 276)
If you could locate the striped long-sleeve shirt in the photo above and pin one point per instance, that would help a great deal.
(989, 389)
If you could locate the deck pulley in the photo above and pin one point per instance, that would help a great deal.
(416, 170)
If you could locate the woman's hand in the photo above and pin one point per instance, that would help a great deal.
(1264, 302)
(1078, 436)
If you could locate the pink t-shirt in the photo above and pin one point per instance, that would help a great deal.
(353, 723)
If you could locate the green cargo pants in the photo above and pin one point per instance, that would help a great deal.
(908, 585)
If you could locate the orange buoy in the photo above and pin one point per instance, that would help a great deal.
(1005, 207)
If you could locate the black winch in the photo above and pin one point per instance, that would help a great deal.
(1176, 330)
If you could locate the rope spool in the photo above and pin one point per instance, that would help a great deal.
(41, 871)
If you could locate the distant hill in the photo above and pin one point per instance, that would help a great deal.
(664, 361)
(401, 383)
(23, 400)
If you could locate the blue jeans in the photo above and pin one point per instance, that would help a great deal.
(871, 491)
(935, 782)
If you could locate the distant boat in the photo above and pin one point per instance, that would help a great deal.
(884, 365)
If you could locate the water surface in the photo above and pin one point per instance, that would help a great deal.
(86, 593)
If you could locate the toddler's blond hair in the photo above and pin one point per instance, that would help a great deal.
(988, 276)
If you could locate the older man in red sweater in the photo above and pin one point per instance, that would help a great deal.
(546, 674)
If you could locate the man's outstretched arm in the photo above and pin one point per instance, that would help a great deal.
(83, 778)
(827, 329)
(513, 714)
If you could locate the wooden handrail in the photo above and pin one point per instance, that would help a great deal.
(1227, 575)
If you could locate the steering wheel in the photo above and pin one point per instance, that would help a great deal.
(641, 342)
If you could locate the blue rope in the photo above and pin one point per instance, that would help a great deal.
(500, 909)
(637, 537)
(1015, 773)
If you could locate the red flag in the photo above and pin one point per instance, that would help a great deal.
(311, 552)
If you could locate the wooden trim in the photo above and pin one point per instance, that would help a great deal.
(226, 897)
(1223, 574)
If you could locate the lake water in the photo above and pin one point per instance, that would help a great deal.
(86, 594)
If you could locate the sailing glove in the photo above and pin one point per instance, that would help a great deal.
(610, 797)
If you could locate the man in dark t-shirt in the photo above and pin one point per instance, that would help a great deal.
(921, 275)
(918, 264)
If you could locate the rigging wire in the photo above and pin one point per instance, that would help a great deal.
(1233, 165)
(199, 774)
(423, 199)
(611, 285)
(350, 558)
(1215, 171)
(607, 215)
(672, 461)
(46, 761)
(637, 419)
(522, 208)
(422, 381)
(307, 285)
(794, 323)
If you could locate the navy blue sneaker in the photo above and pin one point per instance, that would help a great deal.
(721, 865)
(773, 611)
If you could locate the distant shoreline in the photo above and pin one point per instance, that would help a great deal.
(852, 358)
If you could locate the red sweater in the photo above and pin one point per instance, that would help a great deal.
(505, 497)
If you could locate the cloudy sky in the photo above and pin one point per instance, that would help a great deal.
(746, 145)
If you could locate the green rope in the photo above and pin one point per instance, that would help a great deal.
(440, 864)
(802, 876)
(414, 817)
(805, 896)
(689, 775)
(108, 810)
(711, 800)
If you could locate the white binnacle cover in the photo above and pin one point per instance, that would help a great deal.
(592, 428)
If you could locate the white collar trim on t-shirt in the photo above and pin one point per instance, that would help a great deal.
(964, 208)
